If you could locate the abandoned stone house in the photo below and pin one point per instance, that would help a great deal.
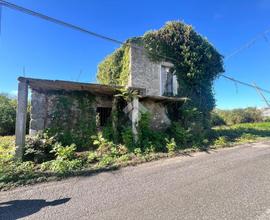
(151, 79)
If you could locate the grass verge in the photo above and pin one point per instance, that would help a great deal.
(14, 174)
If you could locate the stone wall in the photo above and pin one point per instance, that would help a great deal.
(143, 72)
(158, 112)
(38, 112)
(44, 106)
(147, 74)
(44, 115)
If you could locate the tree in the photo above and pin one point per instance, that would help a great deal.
(7, 115)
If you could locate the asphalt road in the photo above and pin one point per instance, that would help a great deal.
(225, 184)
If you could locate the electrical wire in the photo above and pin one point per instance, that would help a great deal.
(63, 23)
(249, 44)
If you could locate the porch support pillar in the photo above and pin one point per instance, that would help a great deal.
(21, 119)
(135, 118)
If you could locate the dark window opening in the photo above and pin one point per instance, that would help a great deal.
(169, 84)
(104, 115)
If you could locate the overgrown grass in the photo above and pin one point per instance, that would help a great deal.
(240, 133)
(6, 147)
(109, 156)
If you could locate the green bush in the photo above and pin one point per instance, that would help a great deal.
(14, 171)
(65, 161)
(103, 145)
(171, 146)
(247, 138)
(107, 153)
(92, 157)
(216, 119)
(106, 160)
(65, 166)
(138, 151)
(221, 141)
(181, 135)
(38, 148)
(127, 138)
(149, 137)
(64, 152)
(237, 116)
(7, 147)
(7, 115)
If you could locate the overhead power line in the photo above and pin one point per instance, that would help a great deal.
(56, 21)
(262, 95)
(246, 84)
(68, 25)
(249, 43)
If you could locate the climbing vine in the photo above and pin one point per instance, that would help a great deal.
(114, 70)
(72, 118)
(196, 64)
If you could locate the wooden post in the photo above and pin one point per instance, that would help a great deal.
(21, 119)
(135, 118)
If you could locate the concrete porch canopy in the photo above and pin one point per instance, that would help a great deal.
(46, 85)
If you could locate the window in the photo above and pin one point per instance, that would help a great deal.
(168, 84)
(104, 115)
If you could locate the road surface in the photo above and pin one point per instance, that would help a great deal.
(225, 184)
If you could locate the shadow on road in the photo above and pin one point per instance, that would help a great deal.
(16, 209)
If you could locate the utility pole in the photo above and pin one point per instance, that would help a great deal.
(262, 95)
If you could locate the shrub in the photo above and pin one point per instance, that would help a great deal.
(237, 116)
(65, 161)
(106, 160)
(171, 146)
(7, 115)
(92, 157)
(127, 138)
(64, 153)
(150, 149)
(107, 153)
(38, 148)
(138, 151)
(103, 145)
(15, 171)
(247, 138)
(7, 148)
(181, 135)
(123, 158)
(149, 137)
(267, 119)
(65, 166)
(216, 119)
(221, 141)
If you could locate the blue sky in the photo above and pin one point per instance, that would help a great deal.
(50, 51)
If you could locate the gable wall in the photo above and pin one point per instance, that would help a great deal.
(143, 72)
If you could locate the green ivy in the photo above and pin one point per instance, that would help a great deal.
(114, 70)
(196, 65)
(73, 118)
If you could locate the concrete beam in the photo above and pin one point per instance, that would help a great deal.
(21, 119)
